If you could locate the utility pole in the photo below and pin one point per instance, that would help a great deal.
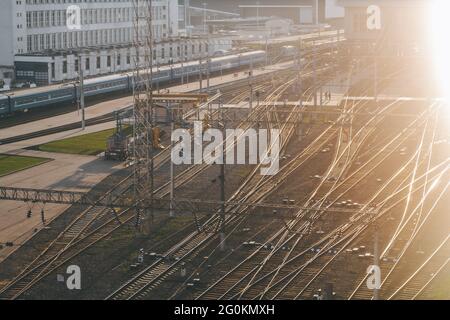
(251, 97)
(158, 72)
(321, 96)
(315, 73)
(80, 72)
(317, 12)
(222, 183)
(300, 92)
(267, 50)
(251, 85)
(186, 59)
(208, 62)
(172, 184)
(299, 66)
(375, 80)
(376, 258)
(187, 17)
(182, 63)
(200, 70)
(143, 113)
(257, 14)
(337, 54)
(204, 17)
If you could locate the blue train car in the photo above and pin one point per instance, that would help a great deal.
(27, 99)
(5, 107)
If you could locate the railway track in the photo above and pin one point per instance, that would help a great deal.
(93, 225)
(298, 281)
(241, 277)
(307, 289)
(80, 233)
(138, 287)
(153, 275)
(338, 266)
(412, 221)
(328, 131)
(434, 266)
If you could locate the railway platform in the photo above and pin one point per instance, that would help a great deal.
(107, 107)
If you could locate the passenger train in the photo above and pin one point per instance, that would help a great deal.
(24, 100)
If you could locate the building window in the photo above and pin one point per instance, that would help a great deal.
(29, 44)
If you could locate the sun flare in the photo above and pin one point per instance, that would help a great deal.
(440, 44)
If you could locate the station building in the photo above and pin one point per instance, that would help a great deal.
(39, 47)
(298, 11)
(403, 24)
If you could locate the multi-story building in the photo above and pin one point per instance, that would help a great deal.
(398, 25)
(299, 11)
(41, 45)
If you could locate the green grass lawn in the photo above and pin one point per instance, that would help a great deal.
(88, 144)
(10, 164)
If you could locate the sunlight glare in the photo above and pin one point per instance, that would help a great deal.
(440, 38)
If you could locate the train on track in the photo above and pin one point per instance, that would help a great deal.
(25, 100)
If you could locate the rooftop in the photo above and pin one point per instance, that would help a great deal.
(393, 3)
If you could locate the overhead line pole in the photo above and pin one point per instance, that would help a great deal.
(143, 165)
(222, 183)
(82, 105)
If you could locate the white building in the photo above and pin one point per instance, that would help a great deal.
(40, 43)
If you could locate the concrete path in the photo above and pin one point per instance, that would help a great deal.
(65, 172)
